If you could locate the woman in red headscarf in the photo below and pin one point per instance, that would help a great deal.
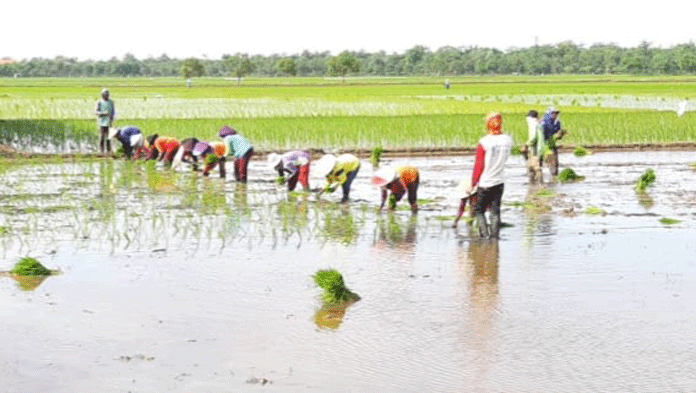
(492, 152)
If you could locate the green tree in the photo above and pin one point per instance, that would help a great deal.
(192, 67)
(342, 64)
(287, 66)
(239, 65)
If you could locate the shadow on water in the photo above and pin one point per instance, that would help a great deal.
(48, 136)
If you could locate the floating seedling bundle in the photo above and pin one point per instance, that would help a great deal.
(645, 180)
(569, 175)
(335, 290)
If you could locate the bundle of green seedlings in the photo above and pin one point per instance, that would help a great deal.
(29, 266)
(376, 156)
(568, 175)
(580, 151)
(645, 180)
(335, 291)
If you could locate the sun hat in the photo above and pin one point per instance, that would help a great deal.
(136, 140)
(461, 191)
(112, 132)
(325, 165)
(273, 160)
(384, 176)
(105, 92)
(200, 148)
(225, 131)
(302, 161)
(552, 109)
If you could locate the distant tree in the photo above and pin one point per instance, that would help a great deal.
(342, 64)
(239, 65)
(191, 67)
(287, 66)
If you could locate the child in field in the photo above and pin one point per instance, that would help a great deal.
(294, 164)
(131, 139)
(401, 180)
(338, 171)
(238, 147)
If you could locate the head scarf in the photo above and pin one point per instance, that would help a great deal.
(225, 131)
(494, 122)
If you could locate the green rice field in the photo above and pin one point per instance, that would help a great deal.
(56, 115)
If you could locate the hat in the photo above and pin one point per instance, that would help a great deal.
(201, 148)
(462, 188)
(105, 92)
(112, 132)
(325, 165)
(302, 161)
(273, 160)
(384, 176)
(225, 131)
(552, 110)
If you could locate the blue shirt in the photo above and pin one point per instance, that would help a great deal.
(550, 127)
(124, 136)
(236, 145)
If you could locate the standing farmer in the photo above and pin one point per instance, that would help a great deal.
(492, 152)
(239, 147)
(552, 126)
(105, 111)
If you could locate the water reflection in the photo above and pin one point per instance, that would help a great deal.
(26, 283)
(481, 264)
(339, 224)
(106, 204)
(330, 316)
(294, 213)
(391, 232)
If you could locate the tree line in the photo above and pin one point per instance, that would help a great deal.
(562, 58)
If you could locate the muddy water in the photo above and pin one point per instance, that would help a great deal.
(174, 283)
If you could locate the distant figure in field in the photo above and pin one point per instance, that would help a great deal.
(105, 111)
(401, 180)
(487, 179)
(293, 165)
(238, 147)
(338, 171)
(447, 84)
(535, 147)
(131, 139)
(552, 133)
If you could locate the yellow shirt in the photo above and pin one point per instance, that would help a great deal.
(345, 164)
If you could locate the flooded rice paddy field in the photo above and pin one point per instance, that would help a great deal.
(170, 282)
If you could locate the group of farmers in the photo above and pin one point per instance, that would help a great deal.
(484, 191)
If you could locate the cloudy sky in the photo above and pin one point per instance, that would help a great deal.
(206, 28)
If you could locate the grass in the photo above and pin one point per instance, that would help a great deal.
(335, 290)
(289, 113)
(29, 266)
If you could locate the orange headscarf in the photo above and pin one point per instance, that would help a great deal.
(494, 122)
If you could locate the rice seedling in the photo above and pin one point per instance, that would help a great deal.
(569, 175)
(29, 266)
(580, 151)
(376, 156)
(669, 221)
(645, 180)
(594, 210)
(335, 290)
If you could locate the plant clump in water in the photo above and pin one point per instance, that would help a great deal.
(669, 221)
(594, 210)
(516, 151)
(568, 175)
(646, 179)
(376, 156)
(29, 266)
(280, 180)
(335, 291)
(580, 151)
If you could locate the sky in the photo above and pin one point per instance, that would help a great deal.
(100, 30)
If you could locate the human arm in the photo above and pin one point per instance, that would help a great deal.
(478, 166)
(384, 197)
